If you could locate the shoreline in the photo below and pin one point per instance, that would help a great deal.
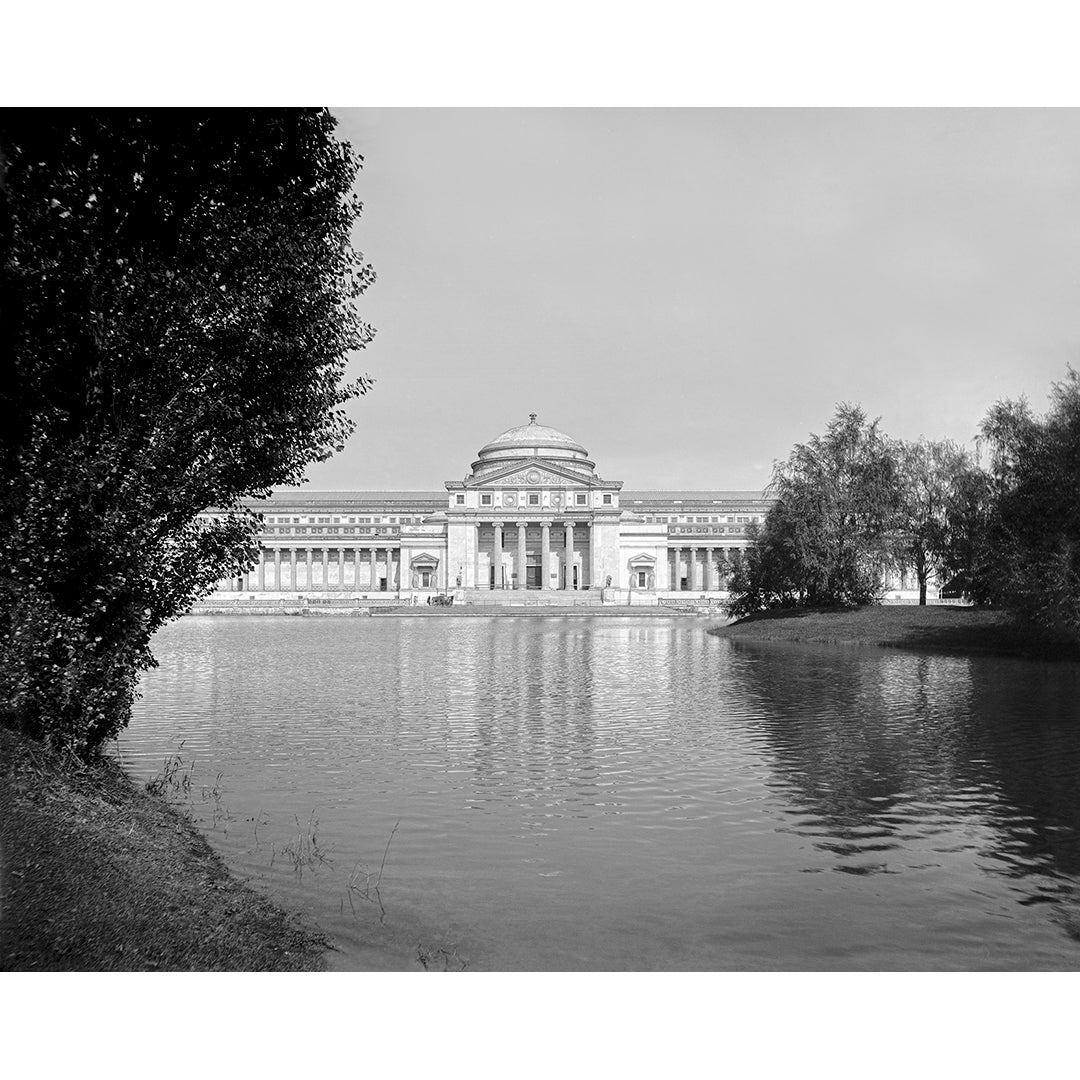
(96, 874)
(463, 611)
(932, 628)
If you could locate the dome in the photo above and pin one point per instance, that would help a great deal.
(533, 435)
(532, 440)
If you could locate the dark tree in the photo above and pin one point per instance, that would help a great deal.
(832, 532)
(177, 308)
(1035, 530)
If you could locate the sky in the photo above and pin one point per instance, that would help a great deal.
(690, 292)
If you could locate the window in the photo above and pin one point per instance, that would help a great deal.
(607, 500)
(579, 498)
(485, 500)
(642, 577)
(352, 521)
(534, 499)
(459, 500)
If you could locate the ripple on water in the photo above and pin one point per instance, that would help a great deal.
(612, 793)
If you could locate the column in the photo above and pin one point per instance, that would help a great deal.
(476, 556)
(372, 558)
(710, 569)
(341, 569)
(496, 555)
(675, 575)
(356, 569)
(292, 569)
(545, 555)
(595, 577)
(262, 570)
(522, 557)
(307, 569)
(389, 569)
(568, 556)
(277, 569)
(692, 578)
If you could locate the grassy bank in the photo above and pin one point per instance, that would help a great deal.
(98, 875)
(934, 628)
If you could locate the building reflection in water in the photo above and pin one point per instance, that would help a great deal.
(613, 792)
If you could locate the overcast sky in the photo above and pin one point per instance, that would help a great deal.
(690, 292)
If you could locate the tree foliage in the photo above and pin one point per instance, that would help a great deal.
(178, 308)
(931, 481)
(1033, 529)
(832, 530)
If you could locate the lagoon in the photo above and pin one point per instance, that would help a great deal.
(572, 793)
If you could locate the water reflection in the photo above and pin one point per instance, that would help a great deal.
(621, 793)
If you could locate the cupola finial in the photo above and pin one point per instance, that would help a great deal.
(532, 418)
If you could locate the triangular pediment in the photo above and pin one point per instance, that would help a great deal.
(531, 472)
(642, 560)
(423, 559)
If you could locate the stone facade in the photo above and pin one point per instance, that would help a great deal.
(532, 514)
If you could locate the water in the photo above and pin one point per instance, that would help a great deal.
(610, 793)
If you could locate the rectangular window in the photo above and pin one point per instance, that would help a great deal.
(459, 500)
(607, 500)
(579, 499)
(534, 500)
(485, 500)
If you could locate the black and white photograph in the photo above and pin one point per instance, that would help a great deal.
(539, 540)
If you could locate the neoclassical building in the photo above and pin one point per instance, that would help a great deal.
(532, 514)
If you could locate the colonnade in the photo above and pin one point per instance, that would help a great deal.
(701, 573)
(521, 558)
(372, 557)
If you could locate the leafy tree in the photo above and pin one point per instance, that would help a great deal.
(929, 476)
(767, 576)
(178, 306)
(832, 530)
(1035, 469)
(968, 560)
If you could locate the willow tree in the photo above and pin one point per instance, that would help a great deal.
(833, 530)
(933, 483)
(178, 300)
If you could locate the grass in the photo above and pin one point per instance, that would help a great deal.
(98, 875)
(935, 628)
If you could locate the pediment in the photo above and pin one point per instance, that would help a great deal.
(424, 559)
(642, 560)
(530, 473)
